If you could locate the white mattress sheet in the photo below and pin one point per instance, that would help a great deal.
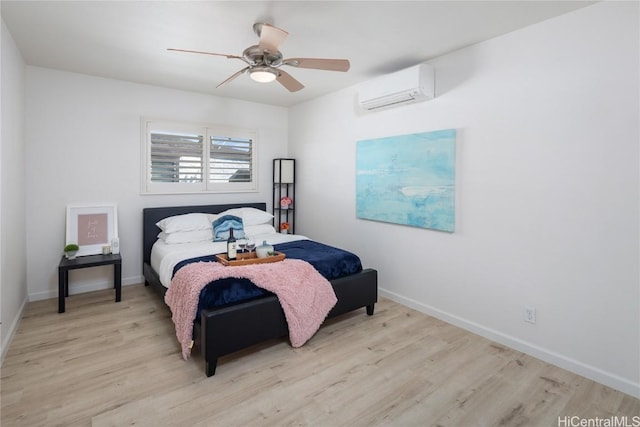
(165, 257)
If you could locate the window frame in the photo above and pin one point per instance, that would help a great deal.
(148, 126)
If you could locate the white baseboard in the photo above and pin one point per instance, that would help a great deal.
(6, 340)
(575, 366)
(85, 288)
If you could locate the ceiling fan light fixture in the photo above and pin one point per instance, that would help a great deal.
(263, 74)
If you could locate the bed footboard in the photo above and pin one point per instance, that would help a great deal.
(226, 330)
(229, 329)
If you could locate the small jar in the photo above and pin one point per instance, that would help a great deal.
(264, 249)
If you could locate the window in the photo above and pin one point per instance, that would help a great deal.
(183, 158)
(229, 159)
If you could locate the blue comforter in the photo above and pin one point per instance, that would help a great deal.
(331, 262)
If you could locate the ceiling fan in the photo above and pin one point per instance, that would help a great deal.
(264, 59)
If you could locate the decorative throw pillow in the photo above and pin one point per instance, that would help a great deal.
(222, 225)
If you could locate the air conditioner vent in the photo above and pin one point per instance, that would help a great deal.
(405, 86)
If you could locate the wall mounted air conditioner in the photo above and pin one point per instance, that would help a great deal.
(412, 84)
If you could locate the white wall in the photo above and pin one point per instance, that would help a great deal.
(83, 146)
(13, 272)
(547, 191)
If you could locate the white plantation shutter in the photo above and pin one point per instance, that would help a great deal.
(230, 159)
(176, 159)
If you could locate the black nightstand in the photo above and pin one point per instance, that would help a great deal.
(84, 262)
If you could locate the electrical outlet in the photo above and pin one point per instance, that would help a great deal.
(529, 314)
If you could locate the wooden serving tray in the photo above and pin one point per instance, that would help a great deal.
(249, 258)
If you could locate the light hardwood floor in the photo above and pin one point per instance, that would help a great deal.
(108, 364)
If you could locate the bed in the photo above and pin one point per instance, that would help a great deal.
(223, 330)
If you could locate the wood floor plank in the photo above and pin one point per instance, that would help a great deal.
(114, 364)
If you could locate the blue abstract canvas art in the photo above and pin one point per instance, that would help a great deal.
(408, 179)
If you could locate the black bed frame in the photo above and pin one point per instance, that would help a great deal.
(227, 329)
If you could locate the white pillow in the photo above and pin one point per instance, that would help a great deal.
(250, 216)
(187, 236)
(186, 222)
(253, 216)
(252, 230)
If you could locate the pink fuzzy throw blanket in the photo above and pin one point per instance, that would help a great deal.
(305, 295)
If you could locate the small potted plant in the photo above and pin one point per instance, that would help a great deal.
(285, 202)
(284, 228)
(71, 250)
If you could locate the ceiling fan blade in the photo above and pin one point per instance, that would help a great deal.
(208, 53)
(233, 76)
(271, 38)
(286, 80)
(319, 63)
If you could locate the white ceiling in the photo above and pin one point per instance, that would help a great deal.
(128, 40)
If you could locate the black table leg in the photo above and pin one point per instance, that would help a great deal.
(117, 280)
(61, 289)
(66, 283)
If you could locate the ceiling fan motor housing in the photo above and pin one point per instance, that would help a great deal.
(256, 56)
